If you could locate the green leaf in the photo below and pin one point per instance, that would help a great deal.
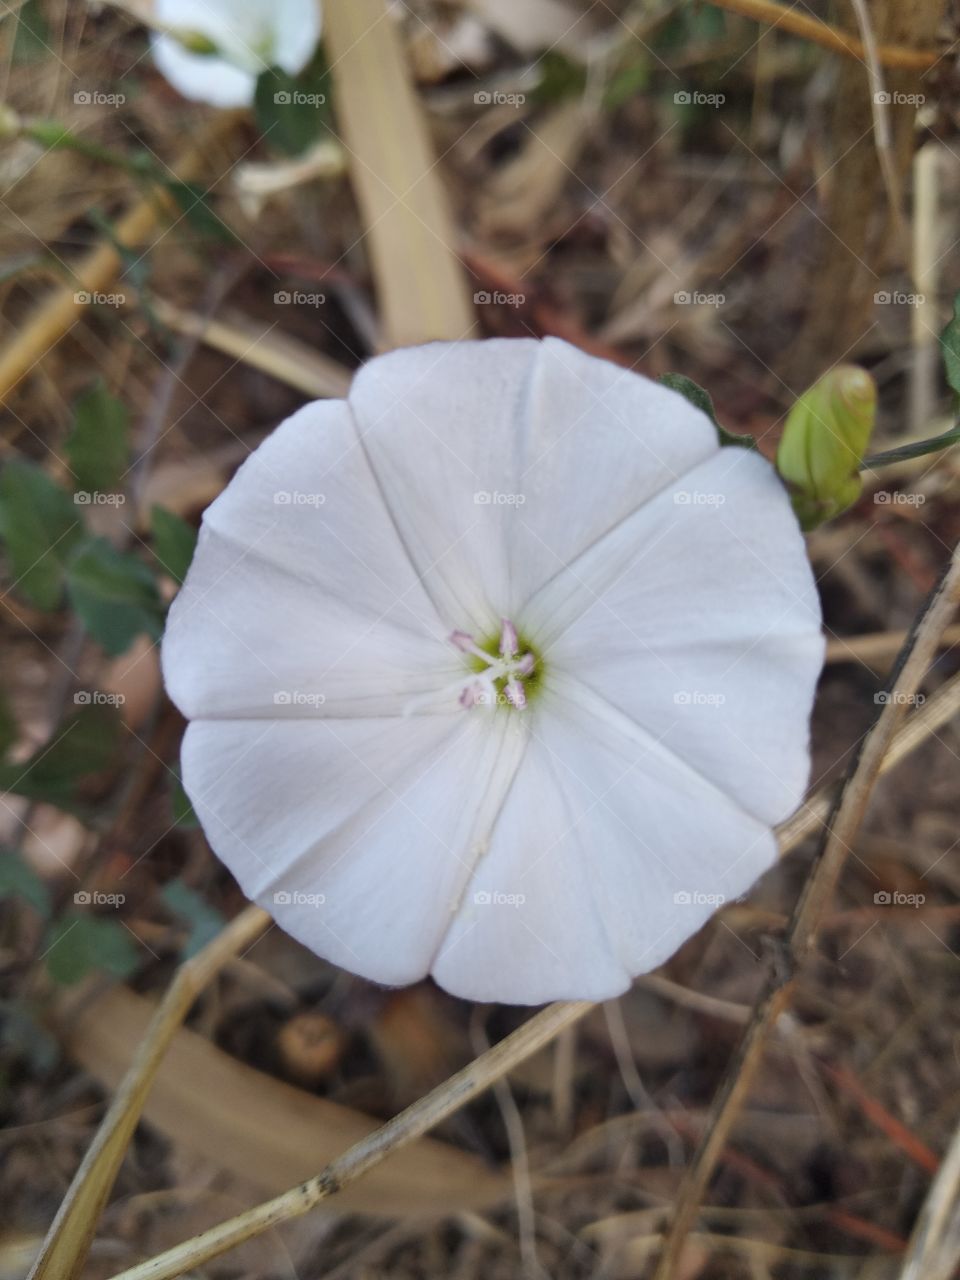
(78, 945)
(293, 112)
(203, 920)
(98, 445)
(22, 1032)
(18, 879)
(40, 524)
(950, 341)
(702, 400)
(560, 78)
(84, 744)
(8, 725)
(173, 542)
(114, 594)
(198, 211)
(626, 83)
(32, 38)
(824, 440)
(183, 814)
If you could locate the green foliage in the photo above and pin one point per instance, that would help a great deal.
(293, 112)
(40, 526)
(703, 401)
(8, 725)
(203, 921)
(23, 1034)
(626, 82)
(197, 209)
(182, 809)
(32, 39)
(98, 445)
(114, 595)
(824, 441)
(85, 743)
(173, 542)
(80, 944)
(560, 78)
(19, 880)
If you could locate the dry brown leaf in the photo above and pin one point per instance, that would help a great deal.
(266, 1132)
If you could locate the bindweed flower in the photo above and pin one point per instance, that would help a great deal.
(498, 670)
(214, 50)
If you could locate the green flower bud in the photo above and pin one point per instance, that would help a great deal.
(824, 441)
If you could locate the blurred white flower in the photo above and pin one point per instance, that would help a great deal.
(499, 670)
(247, 36)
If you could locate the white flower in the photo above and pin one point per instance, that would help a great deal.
(249, 37)
(499, 670)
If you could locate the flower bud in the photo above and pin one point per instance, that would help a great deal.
(823, 443)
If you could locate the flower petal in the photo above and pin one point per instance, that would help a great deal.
(608, 855)
(356, 835)
(504, 460)
(700, 620)
(200, 78)
(250, 38)
(300, 599)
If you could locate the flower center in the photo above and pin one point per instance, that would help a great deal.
(504, 669)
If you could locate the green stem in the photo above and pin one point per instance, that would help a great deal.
(916, 450)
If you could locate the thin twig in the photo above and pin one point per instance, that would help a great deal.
(68, 1241)
(879, 646)
(403, 1129)
(916, 656)
(800, 24)
(882, 133)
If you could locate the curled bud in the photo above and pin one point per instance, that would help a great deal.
(824, 441)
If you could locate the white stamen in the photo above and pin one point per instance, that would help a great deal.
(481, 689)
